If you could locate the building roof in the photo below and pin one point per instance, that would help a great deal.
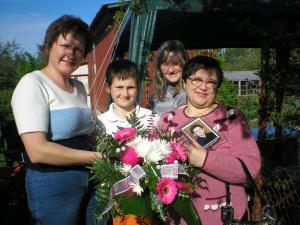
(241, 75)
(81, 70)
(213, 24)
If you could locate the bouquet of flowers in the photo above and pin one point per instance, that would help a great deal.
(143, 172)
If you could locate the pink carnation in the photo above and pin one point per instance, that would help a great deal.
(171, 157)
(177, 153)
(167, 190)
(125, 134)
(130, 157)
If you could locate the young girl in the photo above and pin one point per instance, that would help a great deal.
(169, 62)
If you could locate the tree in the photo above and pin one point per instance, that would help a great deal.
(14, 63)
(7, 66)
(227, 94)
(242, 59)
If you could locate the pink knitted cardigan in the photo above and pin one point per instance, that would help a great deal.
(220, 165)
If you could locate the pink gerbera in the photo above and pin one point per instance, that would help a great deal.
(167, 190)
(130, 157)
(125, 134)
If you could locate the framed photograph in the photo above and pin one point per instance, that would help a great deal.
(201, 132)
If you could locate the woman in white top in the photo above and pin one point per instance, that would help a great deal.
(53, 120)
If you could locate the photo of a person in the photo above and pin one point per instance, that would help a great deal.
(201, 132)
(201, 137)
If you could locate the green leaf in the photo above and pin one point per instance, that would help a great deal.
(136, 205)
(104, 172)
(185, 208)
(152, 176)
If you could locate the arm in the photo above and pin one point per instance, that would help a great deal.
(40, 150)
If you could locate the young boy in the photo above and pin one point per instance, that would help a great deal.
(122, 78)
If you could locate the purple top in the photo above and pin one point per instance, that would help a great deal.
(221, 164)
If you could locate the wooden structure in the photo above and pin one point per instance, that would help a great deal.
(198, 24)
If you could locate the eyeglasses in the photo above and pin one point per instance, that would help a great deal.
(197, 82)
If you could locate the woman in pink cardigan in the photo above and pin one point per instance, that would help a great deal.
(202, 76)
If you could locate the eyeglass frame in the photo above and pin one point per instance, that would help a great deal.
(215, 83)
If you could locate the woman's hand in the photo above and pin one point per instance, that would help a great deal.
(196, 153)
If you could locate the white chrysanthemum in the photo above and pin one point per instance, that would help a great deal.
(150, 151)
(125, 169)
(135, 142)
(136, 187)
(159, 151)
(140, 144)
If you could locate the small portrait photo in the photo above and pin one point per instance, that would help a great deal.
(201, 132)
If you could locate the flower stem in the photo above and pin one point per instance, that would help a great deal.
(153, 170)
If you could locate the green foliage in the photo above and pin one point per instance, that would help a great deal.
(138, 7)
(14, 63)
(8, 53)
(137, 205)
(119, 14)
(289, 115)
(234, 59)
(227, 94)
(5, 106)
(284, 83)
(105, 172)
(187, 211)
(283, 179)
(242, 59)
(26, 63)
(249, 106)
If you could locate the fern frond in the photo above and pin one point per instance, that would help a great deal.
(107, 145)
(105, 172)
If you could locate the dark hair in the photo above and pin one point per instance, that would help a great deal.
(194, 126)
(202, 62)
(162, 55)
(65, 25)
(122, 69)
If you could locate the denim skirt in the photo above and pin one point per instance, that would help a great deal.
(60, 197)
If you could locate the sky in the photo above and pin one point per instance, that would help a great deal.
(26, 21)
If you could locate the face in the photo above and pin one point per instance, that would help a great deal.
(199, 132)
(201, 89)
(66, 54)
(123, 93)
(172, 68)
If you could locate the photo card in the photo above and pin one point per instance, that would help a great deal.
(201, 132)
